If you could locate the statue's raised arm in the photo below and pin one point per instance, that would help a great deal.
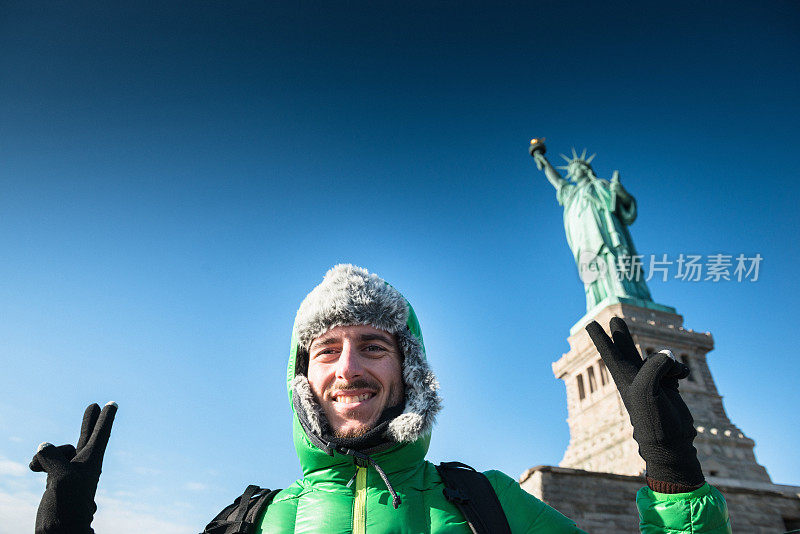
(537, 150)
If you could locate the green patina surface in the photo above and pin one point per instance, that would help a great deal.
(597, 214)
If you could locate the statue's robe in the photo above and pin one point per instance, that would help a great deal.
(595, 221)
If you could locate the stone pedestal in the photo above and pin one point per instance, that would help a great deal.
(601, 472)
(601, 436)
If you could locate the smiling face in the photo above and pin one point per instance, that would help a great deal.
(355, 373)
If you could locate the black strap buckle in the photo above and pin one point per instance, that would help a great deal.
(455, 496)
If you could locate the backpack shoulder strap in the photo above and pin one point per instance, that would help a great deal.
(474, 495)
(240, 516)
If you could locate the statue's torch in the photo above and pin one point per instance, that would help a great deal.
(537, 148)
(537, 145)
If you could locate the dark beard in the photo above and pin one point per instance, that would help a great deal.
(371, 436)
(372, 440)
(389, 413)
(353, 433)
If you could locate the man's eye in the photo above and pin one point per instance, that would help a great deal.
(375, 348)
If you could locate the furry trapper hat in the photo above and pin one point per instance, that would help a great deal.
(350, 295)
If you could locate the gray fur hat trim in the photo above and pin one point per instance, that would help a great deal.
(350, 295)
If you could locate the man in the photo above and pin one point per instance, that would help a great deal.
(364, 400)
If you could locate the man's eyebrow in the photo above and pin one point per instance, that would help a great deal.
(364, 337)
(374, 337)
(325, 341)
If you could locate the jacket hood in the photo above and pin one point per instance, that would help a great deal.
(349, 295)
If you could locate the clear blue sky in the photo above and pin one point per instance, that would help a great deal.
(177, 176)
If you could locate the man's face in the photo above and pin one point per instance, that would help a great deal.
(355, 373)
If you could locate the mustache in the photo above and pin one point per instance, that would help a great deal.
(358, 383)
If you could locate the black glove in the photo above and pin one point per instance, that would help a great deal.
(662, 424)
(67, 506)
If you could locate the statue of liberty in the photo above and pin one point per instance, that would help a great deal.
(597, 214)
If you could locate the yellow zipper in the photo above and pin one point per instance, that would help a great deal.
(360, 502)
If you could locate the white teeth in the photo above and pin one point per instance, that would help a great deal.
(354, 398)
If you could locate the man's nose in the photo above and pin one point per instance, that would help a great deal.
(349, 363)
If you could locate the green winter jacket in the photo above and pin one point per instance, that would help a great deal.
(336, 496)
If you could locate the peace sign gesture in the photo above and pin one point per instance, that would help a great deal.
(67, 505)
(662, 423)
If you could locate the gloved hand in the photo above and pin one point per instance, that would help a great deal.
(67, 506)
(662, 424)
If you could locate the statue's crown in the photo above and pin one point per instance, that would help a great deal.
(577, 165)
